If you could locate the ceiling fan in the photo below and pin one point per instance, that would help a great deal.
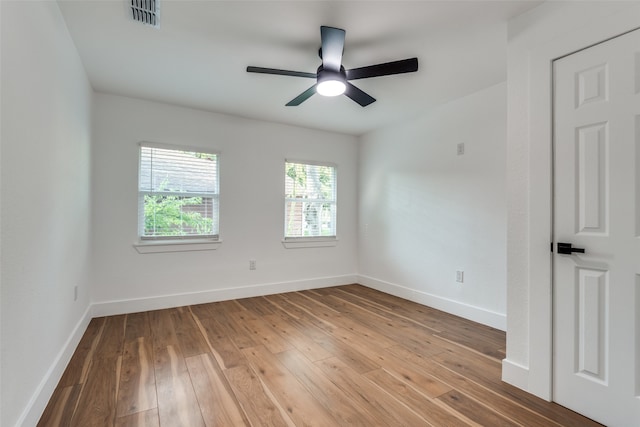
(332, 79)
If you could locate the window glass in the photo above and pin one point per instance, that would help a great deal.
(177, 193)
(310, 200)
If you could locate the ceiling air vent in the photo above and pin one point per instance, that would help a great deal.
(146, 11)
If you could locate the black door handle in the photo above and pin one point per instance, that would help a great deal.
(567, 249)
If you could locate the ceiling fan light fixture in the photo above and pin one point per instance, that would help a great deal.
(331, 83)
(331, 87)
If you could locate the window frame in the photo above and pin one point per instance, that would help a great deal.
(151, 244)
(311, 241)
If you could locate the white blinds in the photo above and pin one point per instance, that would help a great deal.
(178, 193)
(310, 200)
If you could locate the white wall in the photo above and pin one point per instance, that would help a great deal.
(426, 212)
(45, 246)
(252, 155)
(536, 38)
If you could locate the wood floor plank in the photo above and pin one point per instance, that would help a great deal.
(418, 402)
(472, 341)
(260, 408)
(137, 326)
(379, 302)
(437, 319)
(163, 332)
(257, 306)
(471, 408)
(478, 370)
(429, 346)
(188, 334)
(137, 391)
(226, 353)
(309, 327)
(210, 327)
(205, 310)
(300, 405)
(396, 366)
(61, 407)
(356, 360)
(360, 328)
(262, 333)
(300, 305)
(315, 307)
(296, 338)
(229, 306)
(393, 328)
(388, 410)
(482, 394)
(326, 392)
(285, 306)
(77, 369)
(346, 302)
(470, 333)
(177, 403)
(322, 334)
(140, 419)
(218, 404)
(482, 370)
(112, 339)
(234, 330)
(97, 403)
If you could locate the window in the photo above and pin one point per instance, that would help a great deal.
(310, 200)
(177, 193)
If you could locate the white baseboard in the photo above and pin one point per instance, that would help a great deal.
(476, 314)
(36, 406)
(110, 308)
(515, 374)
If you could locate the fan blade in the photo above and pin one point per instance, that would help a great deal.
(302, 97)
(358, 95)
(262, 70)
(396, 67)
(332, 47)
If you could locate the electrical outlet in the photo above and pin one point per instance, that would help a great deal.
(75, 293)
(460, 276)
(461, 149)
(252, 264)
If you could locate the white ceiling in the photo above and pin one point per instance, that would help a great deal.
(198, 56)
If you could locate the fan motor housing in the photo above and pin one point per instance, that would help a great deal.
(324, 75)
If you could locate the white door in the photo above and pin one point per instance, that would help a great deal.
(597, 208)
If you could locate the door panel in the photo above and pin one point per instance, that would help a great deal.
(596, 207)
(591, 161)
(592, 327)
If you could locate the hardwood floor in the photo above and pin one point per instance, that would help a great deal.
(342, 356)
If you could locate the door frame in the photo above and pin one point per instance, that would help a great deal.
(572, 35)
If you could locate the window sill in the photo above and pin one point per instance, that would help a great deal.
(161, 246)
(310, 242)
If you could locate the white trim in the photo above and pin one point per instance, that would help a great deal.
(515, 374)
(311, 162)
(470, 312)
(110, 308)
(162, 246)
(178, 147)
(40, 398)
(309, 242)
